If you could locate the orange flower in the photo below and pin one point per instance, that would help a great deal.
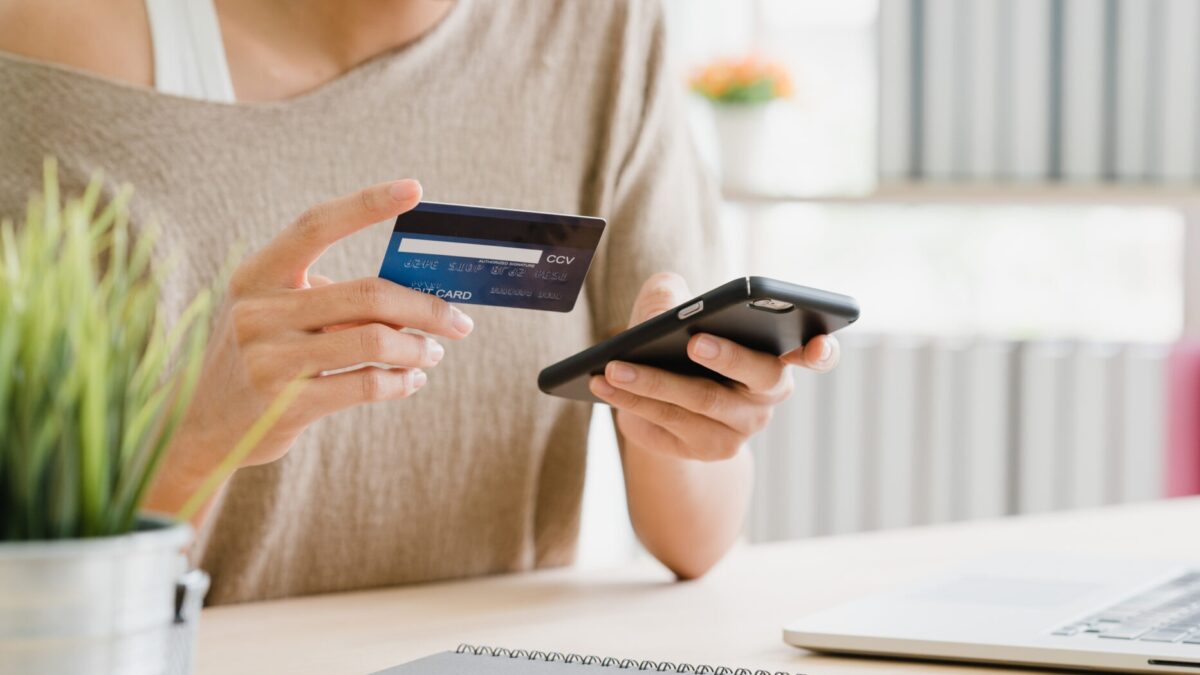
(750, 79)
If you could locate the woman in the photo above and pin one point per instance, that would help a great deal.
(452, 463)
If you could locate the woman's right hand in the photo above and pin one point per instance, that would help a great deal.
(280, 323)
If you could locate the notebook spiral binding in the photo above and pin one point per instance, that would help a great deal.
(627, 664)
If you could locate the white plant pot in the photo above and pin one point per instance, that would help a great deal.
(741, 139)
(102, 606)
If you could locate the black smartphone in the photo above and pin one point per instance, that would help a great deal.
(764, 314)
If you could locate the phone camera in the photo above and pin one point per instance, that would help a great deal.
(772, 305)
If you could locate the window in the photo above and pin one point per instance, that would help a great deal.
(1016, 272)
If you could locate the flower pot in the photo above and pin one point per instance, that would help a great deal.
(741, 138)
(83, 606)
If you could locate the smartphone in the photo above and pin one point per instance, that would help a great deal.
(764, 314)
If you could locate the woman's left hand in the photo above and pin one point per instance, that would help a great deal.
(694, 417)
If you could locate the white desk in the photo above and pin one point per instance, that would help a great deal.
(731, 617)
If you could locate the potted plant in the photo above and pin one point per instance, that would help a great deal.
(93, 384)
(741, 91)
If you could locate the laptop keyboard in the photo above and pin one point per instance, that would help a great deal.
(1166, 613)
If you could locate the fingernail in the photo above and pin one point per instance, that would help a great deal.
(707, 348)
(405, 190)
(619, 372)
(462, 322)
(602, 388)
(418, 379)
(435, 350)
(826, 350)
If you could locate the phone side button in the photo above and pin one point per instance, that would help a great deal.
(694, 308)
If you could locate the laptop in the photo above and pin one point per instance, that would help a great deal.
(1031, 610)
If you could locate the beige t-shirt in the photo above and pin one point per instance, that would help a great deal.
(547, 106)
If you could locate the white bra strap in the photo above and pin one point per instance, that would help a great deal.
(189, 54)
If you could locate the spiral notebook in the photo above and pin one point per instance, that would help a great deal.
(469, 660)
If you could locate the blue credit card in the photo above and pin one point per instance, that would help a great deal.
(483, 256)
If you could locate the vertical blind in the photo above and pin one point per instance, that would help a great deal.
(1040, 90)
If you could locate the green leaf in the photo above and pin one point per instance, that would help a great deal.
(240, 451)
(94, 380)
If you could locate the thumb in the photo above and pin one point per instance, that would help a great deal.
(286, 258)
(660, 293)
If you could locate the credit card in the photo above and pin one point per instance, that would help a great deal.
(484, 256)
